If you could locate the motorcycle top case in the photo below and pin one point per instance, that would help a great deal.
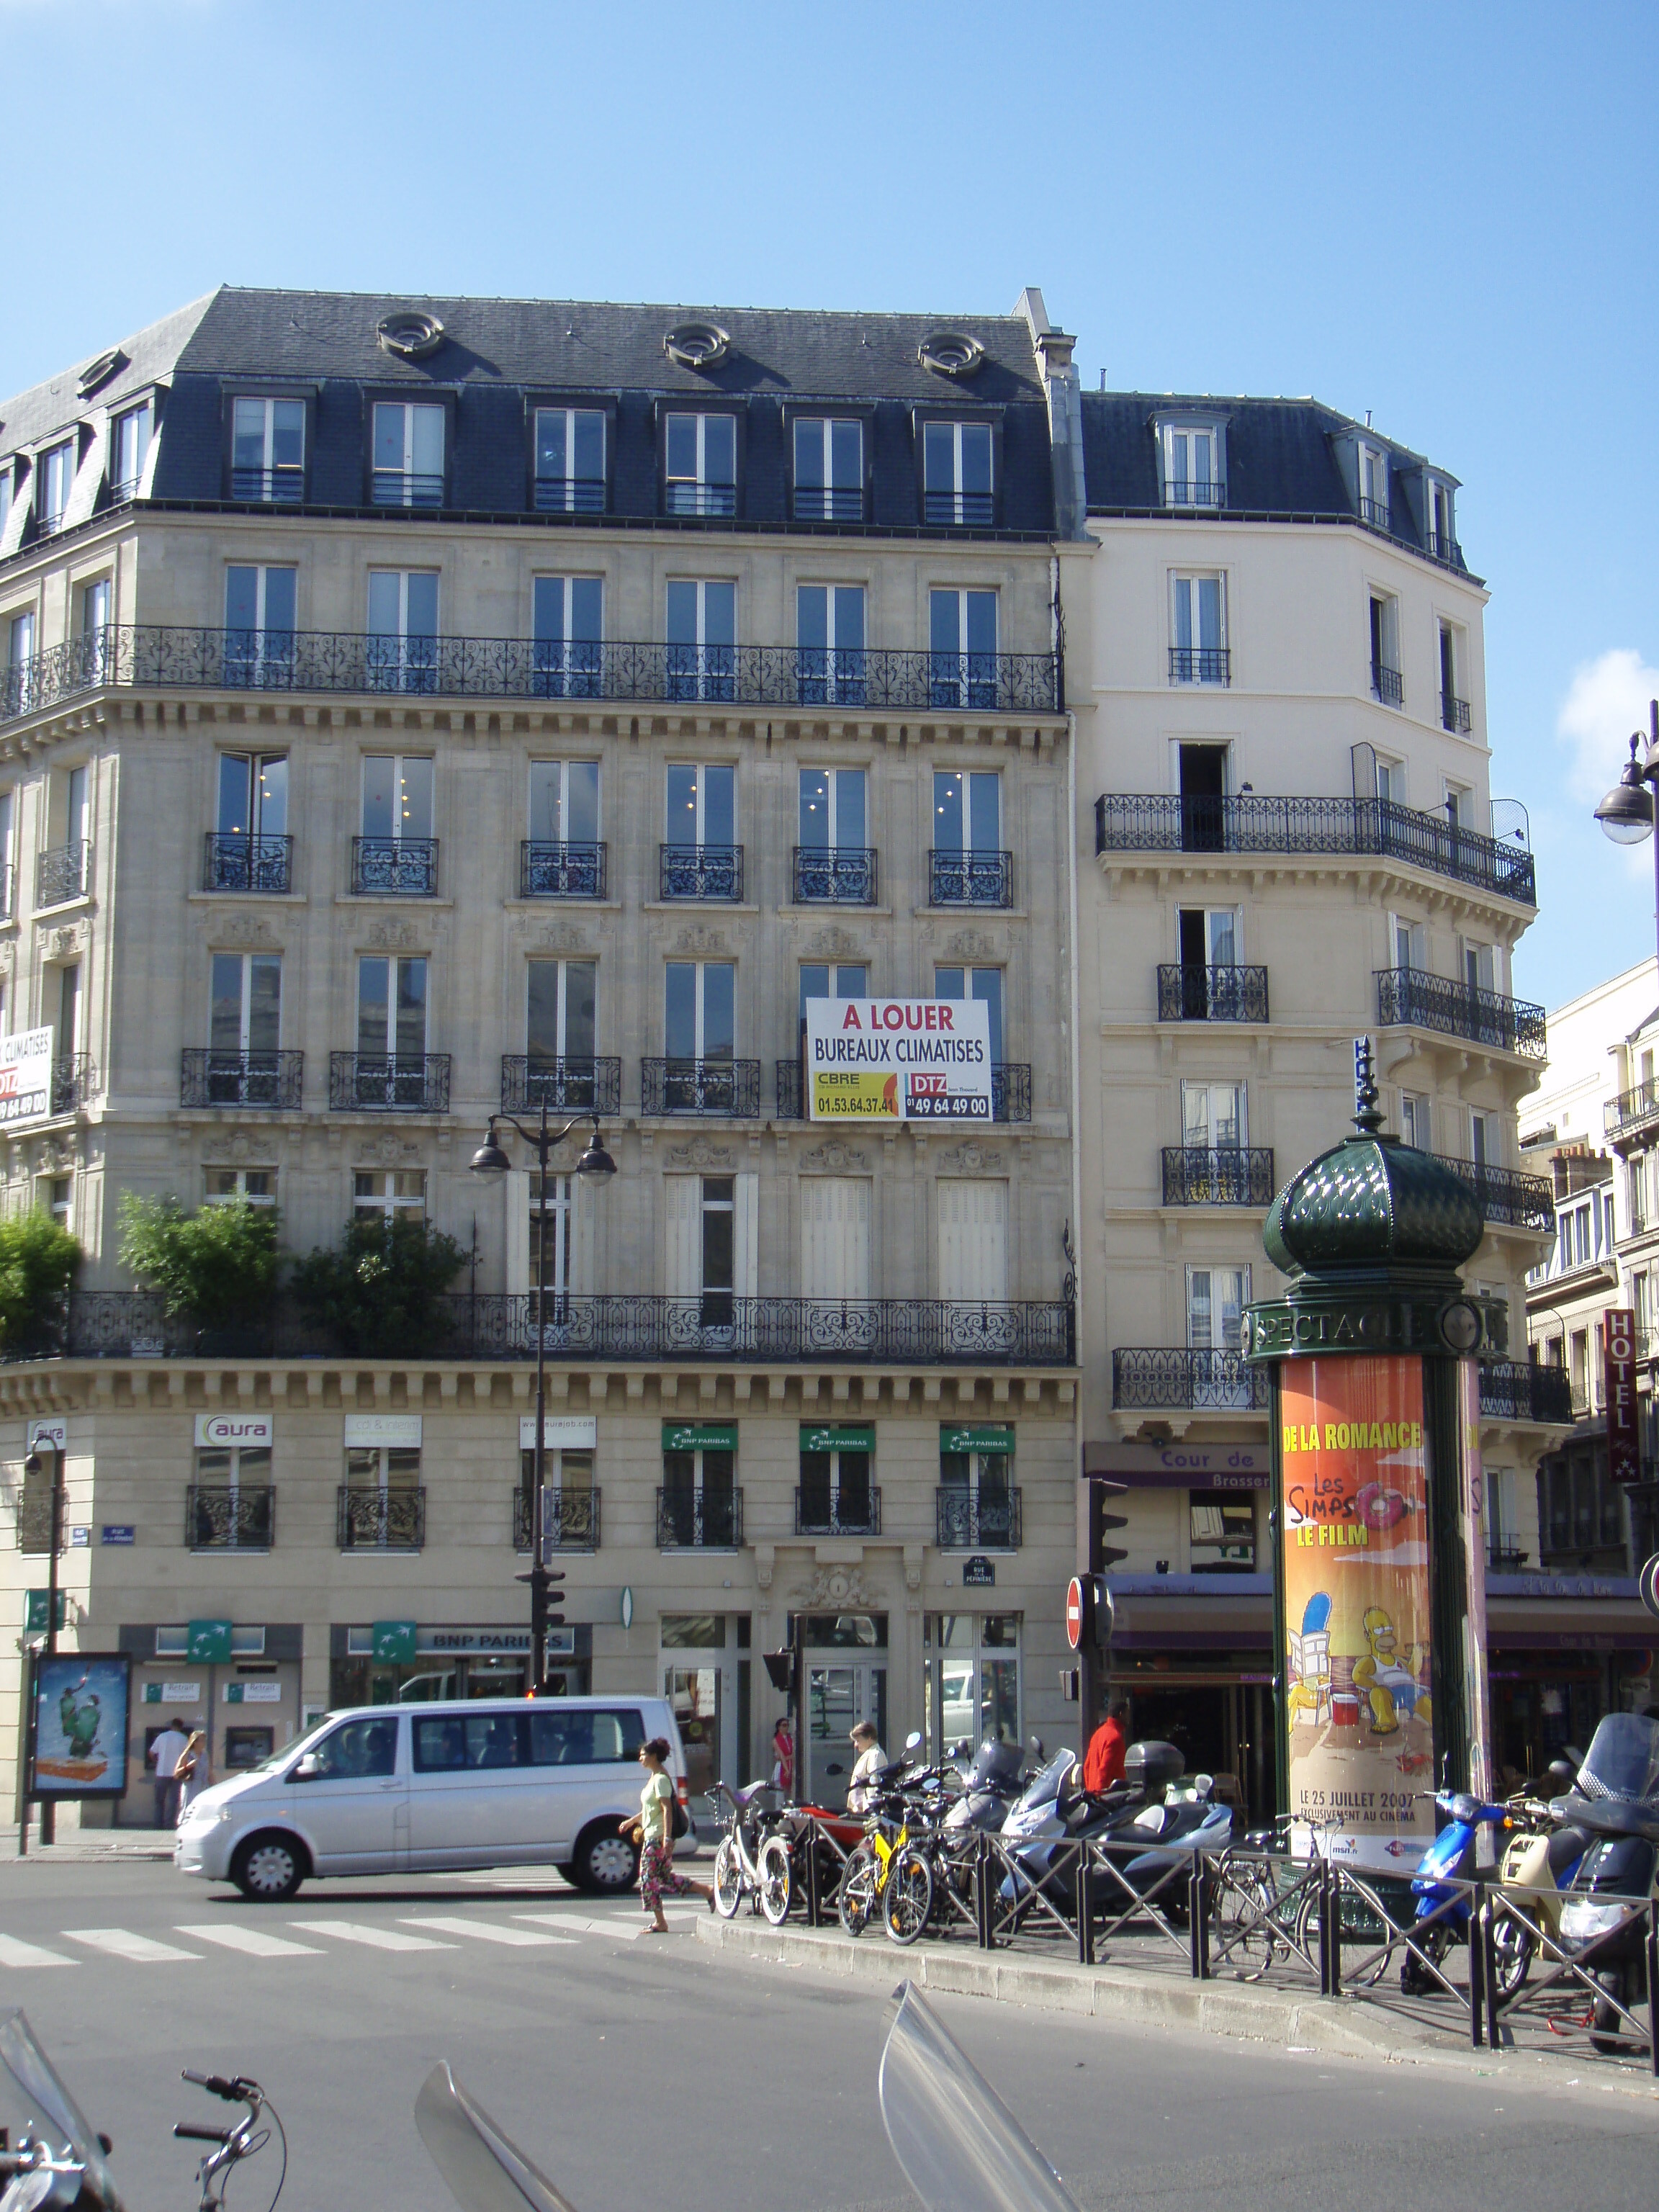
(1152, 1766)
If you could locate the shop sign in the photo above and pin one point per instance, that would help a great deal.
(979, 1572)
(829, 1440)
(402, 1431)
(118, 1532)
(570, 1432)
(247, 1430)
(393, 1641)
(1180, 1466)
(208, 1642)
(975, 1440)
(34, 1611)
(253, 1693)
(48, 1435)
(173, 1693)
(898, 1059)
(455, 1641)
(1618, 1372)
(25, 1075)
(702, 1436)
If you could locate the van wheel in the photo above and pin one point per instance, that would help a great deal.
(606, 1863)
(268, 1869)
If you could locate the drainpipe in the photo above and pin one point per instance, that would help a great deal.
(1081, 1495)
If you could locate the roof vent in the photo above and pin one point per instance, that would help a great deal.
(410, 335)
(950, 353)
(99, 372)
(697, 345)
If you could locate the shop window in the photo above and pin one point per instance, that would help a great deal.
(970, 1675)
(1221, 1532)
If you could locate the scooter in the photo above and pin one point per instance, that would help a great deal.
(1440, 1909)
(1539, 1864)
(1188, 1821)
(1616, 1800)
(1056, 1812)
(990, 1787)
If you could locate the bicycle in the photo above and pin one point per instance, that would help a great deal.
(234, 2143)
(753, 1857)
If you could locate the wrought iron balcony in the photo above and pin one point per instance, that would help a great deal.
(983, 1520)
(73, 1082)
(1388, 684)
(705, 499)
(833, 675)
(568, 1086)
(1630, 1111)
(235, 862)
(394, 868)
(818, 1514)
(1218, 1175)
(569, 495)
(1506, 1559)
(1161, 823)
(1442, 548)
(367, 1520)
(210, 1077)
(1199, 1380)
(571, 1520)
(701, 871)
(701, 1087)
(957, 878)
(830, 502)
(362, 1083)
(283, 487)
(840, 875)
(1375, 512)
(1454, 713)
(1518, 1390)
(1011, 1091)
(965, 510)
(227, 1518)
(1189, 992)
(1507, 1199)
(1178, 491)
(702, 1521)
(405, 488)
(791, 1103)
(60, 874)
(564, 871)
(1201, 664)
(1453, 1009)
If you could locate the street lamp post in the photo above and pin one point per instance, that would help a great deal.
(490, 1163)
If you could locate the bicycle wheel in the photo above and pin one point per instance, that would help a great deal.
(1239, 1897)
(775, 1879)
(728, 1880)
(908, 1899)
(855, 1900)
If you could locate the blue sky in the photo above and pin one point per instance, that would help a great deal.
(1446, 214)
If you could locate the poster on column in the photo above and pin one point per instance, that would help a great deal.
(1356, 1559)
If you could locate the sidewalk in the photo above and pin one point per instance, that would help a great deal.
(85, 1851)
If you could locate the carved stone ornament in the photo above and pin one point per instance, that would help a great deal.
(393, 936)
(390, 1152)
(971, 1159)
(840, 1587)
(65, 944)
(237, 1148)
(973, 944)
(701, 936)
(564, 937)
(699, 1153)
(835, 943)
(243, 929)
(834, 1158)
(54, 1155)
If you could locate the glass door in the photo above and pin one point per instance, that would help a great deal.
(836, 1697)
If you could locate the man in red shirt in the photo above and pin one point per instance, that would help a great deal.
(1103, 1763)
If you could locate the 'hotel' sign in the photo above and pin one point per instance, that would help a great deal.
(1623, 1443)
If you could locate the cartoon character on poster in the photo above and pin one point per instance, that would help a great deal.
(80, 1726)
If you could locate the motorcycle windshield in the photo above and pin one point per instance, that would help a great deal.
(485, 2170)
(33, 2098)
(994, 1763)
(961, 2148)
(1623, 1759)
(1046, 1788)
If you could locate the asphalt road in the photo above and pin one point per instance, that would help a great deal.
(643, 2070)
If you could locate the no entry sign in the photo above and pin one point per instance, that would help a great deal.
(1077, 1611)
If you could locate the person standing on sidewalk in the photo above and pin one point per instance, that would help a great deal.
(191, 1773)
(1102, 1763)
(654, 1832)
(165, 1754)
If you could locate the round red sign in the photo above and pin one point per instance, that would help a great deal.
(1074, 1610)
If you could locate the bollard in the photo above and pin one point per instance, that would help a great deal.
(1085, 1926)
(812, 1905)
(1477, 1968)
(982, 1893)
(1489, 1973)
(1198, 1926)
(1334, 1921)
(1322, 1892)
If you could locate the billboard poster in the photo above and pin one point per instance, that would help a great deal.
(898, 1059)
(80, 1724)
(1356, 1566)
(26, 1075)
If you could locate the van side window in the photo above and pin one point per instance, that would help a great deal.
(357, 1750)
(580, 1736)
(452, 1743)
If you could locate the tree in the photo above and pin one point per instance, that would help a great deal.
(376, 1294)
(216, 1266)
(38, 1261)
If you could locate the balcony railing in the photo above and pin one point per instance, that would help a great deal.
(1442, 548)
(1518, 1390)
(1218, 1175)
(1180, 491)
(569, 495)
(968, 510)
(702, 1521)
(1199, 1380)
(1388, 684)
(1160, 822)
(818, 1514)
(60, 874)
(1189, 992)
(550, 871)
(394, 868)
(272, 1079)
(235, 862)
(1506, 1197)
(840, 875)
(358, 1083)
(957, 878)
(707, 499)
(568, 1086)
(571, 1520)
(701, 1087)
(972, 1520)
(701, 871)
(73, 1082)
(405, 488)
(1201, 664)
(1631, 1110)
(830, 502)
(1454, 713)
(379, 1519)
(284, 487)
(226, 1517)
(1452, 1009)
(1011, 1091)
(1375, 512)
(1506, 1559)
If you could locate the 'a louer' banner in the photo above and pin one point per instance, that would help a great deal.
(25, 1075)
(898, 1059)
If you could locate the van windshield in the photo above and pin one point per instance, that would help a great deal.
(297, 1744)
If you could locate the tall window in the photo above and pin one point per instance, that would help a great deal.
(701, 465)
(830, 642)
(700, 1010)
(1373, 486)
(130, 448)
(7, 888)
(1197, 627)
(564, 802)
(1192, 468)
(1387, 683)
(68, 1010)
(1483, 1138)
(268, 451)
(1216, 1299)
(967, 810)
(397, 1193)
(57, 482)
(956, 473)
(984, 984)
(835, 1480)
(1408, 941)
(1416, 1121)
(567, 615)
(397, 797)
(1454, 707)
(391, 1010)
(409, 454)
(22, 674)
(1443, 536)
(403, 629)
(561, 1023)
(246, 1011)
(829, 470)
(820, 980)
(1212, 1115)
(962, 635)
(833, 859)
(241, 1186)
(253, 795)
(702, 806)
(570, 460)
(95, 603)
(702, 637)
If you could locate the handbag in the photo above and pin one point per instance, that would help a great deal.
(679, 1820)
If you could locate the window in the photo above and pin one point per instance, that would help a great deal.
(835, 1495)
(1216, 1299)
(1192, 468)
(1454, 708)
(971, 1676)
(587, 1738)
(67, 1010)
(552, 1222)
(129, 450)
(1373, 486)
(972, 1249)
(1391, 781)
(392, 1010)
(1212, 1115)
(977, 1502)
(253, 795)
(829, 470)
(1442, 535)
(1460, 806)
(57, 482)
(1483, 1138)
(403, 629)
(268, 450)
(567, 615)
(570, 460)
(247, 1013)
(259, 619)
(830, 643)
(835, 1238)
(1387, 683)
(1638, 1178)
(820, 982)
(984, 984)
(700, 1010)
(7, 476)
(702, 636)
(409, 454)
(1479, 966)
(1416, 1121)
(8, 890)
(1408, 942)
(699, 1499)
(700, 464)
(58, 1195)
(962, 642)
(967, 866)
(22, 674)
(1199, 629)
(1207, 936)
(230, 1505)
(564, 802)
(956, 473)
(561, 1022)
(567, 1471)
(241, 1186)
(401, 1192)
(832, 859)
(95, 607)
(397, 797)
(701, 826)
(1221, 1532)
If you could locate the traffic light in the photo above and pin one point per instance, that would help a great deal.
(1101, 1553)
(541, 1581)
(781, 1671)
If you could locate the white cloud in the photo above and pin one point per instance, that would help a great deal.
(1606, 701)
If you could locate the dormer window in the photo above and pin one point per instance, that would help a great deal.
(1373, 486)
(956, 480)
(129, 449)
(829, 470)
(570, 460)
(1192, 471)
(700, 473)
(56, 481)
(409, 454)
(268, 451)
(1443, 543)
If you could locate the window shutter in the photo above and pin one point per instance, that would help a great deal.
(519, 1284)
(973, 1239)
(682, 1236)
(835, 1236)
(584, 1269)
(745, 1234)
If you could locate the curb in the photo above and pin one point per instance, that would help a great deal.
(90, 1855)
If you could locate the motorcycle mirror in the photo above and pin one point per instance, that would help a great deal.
(484, 2171)
(1037, 1746)
(913, 1741)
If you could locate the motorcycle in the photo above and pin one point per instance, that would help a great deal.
(1539, 1863)
(1056, 1812)
(1440, 1909)
(1615, 1801)
(990, 1787)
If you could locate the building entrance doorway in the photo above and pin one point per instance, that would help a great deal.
(1221, 1728)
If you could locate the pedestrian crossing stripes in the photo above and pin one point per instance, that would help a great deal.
(122, 1943)
(251, 1942)
(424, 1932)
(485, 1930)
(377, 1939)
(14, 1951)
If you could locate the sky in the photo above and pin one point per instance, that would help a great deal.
(1444, 213)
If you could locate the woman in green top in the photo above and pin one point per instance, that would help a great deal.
(654, 1832)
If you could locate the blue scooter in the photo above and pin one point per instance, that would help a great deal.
(1443, 1909)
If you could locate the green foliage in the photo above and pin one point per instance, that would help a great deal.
(376, 1294)
(38, 1261)
(216, 1266)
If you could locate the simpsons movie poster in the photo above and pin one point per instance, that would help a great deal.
(1357, 1708)
(79, 1726)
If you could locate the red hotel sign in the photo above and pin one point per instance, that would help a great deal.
(1623, 1443)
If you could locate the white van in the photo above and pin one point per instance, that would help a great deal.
(429, 1788)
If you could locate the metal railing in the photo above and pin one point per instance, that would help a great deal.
(568, 1086)
(1440, 547)
(1374, 511)
(1388, 684)
(60, 873)
(1506, 1197)
(1461, 1010)
(379, 1519)
(1201, 664)
(818, 1514)
(568, 495)
(1218, 1175)
(1506, 1559)
(571, 1520)
(405, 488)
(1454, 713)
(701, 871)
(394, 868)
(1179, 491)
(283, 487)
(841, 875)
(684, 497)
(73, 1082)
(1521, 1390)
(701, 1087)
(965, 1519)
(229, 1517)
(701, 1520)
(362, 1083)
(274, 1079)
(1201, 1380)
(234, 862)
(958, 878)
(830, 502)
(1189, 992)
(560, 870)
(968, 510)
(1011, 1091)
(1631, 1110)
(1166, 822)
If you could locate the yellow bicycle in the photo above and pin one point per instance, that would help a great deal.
(884, 1872)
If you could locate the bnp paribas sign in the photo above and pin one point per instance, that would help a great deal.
(26, 1076)
(898, 1059)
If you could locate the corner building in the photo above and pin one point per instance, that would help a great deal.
(415, 710)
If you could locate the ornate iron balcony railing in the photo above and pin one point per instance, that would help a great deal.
(1388, 684)
(361, 1082)
(701, 871)
(1161, 823)
(60, 873)
(1518, 1390)
(703, 1521)
(969, 1520)
(394, 868)
(701, 1087)
(210, 1077)
(569, 1086)
(223, 1517)
(1218, 1175)
(1631, 1110)
(1011, 1091)
(564, 871)
(73, 1082)
(379, 1519)
(791, 1103)
(284, 487)
(1201, 664)
(1199, 1380)
(1453, 1009)
(1506, 1197)
(1454, 713)
(841, 875)
(236, 862)
(571, 1520)
(957, 878)
(1189, 992)
(818, 1514)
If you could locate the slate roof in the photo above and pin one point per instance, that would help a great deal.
(55, 405)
